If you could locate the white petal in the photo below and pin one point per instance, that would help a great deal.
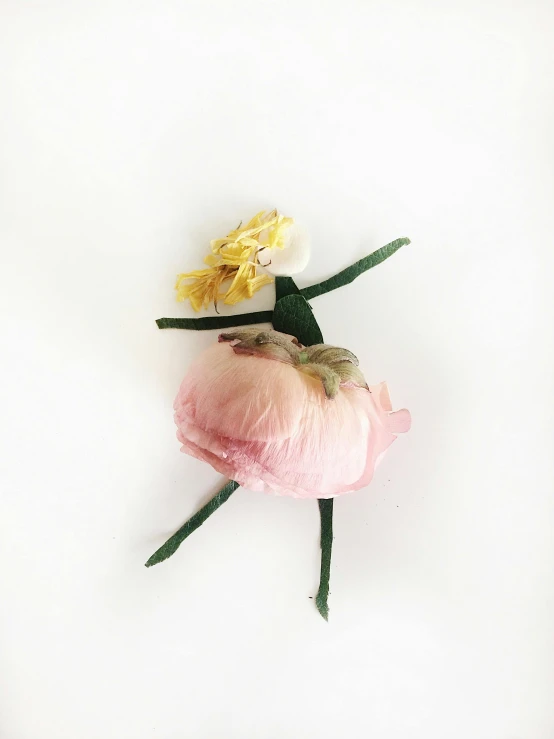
(293, 257)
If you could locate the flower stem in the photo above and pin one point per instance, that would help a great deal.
(175, 541)
(216, 322)
(355, 270)
(326, 514)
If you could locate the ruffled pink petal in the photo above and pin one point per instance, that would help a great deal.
(400, 421)
(271, 428)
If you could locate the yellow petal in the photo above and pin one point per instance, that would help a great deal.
(258, 282)
(199, 273)
(234, 258)
(239, 287)
(212, 260)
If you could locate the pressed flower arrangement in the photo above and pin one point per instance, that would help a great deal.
(277, 410)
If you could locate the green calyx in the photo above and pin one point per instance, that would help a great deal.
(331, 365)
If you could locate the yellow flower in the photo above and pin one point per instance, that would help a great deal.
(234, 258)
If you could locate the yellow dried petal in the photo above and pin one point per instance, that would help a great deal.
(234, 258)
(258, 282)
(196, 274)
(205, 288)
(238, 289)
(237, 254)
(277, 232)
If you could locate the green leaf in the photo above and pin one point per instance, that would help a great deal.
(293, 315)
(355, 270)
(174, 542)
(216, 322)
(285, 286)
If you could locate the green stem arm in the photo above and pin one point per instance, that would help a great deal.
(216, 322)
(175, 541)
(355, 270)
(326, 514)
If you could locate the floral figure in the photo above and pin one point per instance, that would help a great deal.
(277, 410)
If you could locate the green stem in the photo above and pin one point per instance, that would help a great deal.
(216, 322)
(355, 270)
(175, 541)
(326, 515)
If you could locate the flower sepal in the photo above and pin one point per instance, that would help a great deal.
(332, 365)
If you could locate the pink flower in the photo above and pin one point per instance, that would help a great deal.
(278, 417)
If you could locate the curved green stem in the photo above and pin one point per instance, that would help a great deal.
(350, 273)
(175, 541)
(216, 322)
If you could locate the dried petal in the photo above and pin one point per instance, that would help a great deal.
(329, 378)
(349, 374)
(326, 354)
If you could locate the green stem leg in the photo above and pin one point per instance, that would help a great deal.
(214, 322)
(175, 541)
(326, 514)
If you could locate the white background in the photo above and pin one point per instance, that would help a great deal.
(131, 134)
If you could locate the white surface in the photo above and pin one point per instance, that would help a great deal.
(131, 134)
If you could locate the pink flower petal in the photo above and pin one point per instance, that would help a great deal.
(271, 428)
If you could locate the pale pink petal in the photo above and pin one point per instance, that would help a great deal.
(240, 396)
(271, 428)
(328, 450)
(400, 421)
(381, 396)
